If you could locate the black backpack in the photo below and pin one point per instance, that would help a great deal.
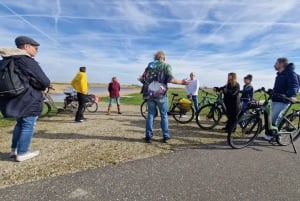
(12, 80)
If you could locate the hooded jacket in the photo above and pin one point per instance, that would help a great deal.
(286, 83)
(29, 103)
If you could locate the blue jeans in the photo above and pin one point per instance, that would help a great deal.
(195, 101)
(23, 133)
(278, 109)
(162, 105)
(111, 101)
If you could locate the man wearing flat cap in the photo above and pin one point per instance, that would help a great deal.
(27, 106)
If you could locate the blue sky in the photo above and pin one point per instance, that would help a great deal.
(119, 37)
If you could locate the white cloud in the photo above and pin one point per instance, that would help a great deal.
(119, 38)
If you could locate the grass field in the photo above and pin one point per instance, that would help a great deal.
(136, 99)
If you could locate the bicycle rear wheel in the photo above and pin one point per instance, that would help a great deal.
(208, 116)
(144, 110)
(91, 106)
(289, 126)
(181, 116)
(244, 132)
(46, 109)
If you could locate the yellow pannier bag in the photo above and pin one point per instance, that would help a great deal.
(185, 104)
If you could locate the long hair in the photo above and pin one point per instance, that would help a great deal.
(232, 82)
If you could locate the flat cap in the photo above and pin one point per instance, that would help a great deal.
(22, 40)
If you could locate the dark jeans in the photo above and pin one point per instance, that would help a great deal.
(81, 106)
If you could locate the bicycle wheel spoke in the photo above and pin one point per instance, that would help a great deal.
(208, 116)
(245, 132)
(182, 117)
(289, 126)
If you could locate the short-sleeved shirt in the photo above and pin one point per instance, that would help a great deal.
(156, 77)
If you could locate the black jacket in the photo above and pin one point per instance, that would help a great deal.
(286, 83)
(29, 103)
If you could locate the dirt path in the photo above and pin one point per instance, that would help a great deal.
(68, 147)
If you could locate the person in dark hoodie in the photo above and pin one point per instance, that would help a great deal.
(27, 106)
(287, 84)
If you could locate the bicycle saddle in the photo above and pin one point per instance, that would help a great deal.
(175, 94)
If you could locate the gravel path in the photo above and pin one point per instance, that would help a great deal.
(68, 147)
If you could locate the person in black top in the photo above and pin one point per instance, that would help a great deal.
(231, 99)
(27, 106)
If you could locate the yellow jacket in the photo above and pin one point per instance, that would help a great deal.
(79, 83)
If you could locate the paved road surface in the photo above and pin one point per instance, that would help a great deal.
(208, 173)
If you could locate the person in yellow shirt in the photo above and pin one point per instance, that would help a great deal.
(79, 83)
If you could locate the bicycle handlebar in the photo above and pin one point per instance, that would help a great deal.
(49, 88)
(271, 93)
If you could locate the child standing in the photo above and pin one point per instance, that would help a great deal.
(114, 94)
(247, 93)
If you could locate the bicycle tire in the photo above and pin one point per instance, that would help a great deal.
(285, 126)
(241, 136)
(46, 109)
(182, 117)
(144, 110)
(208, 116)
(91, 106)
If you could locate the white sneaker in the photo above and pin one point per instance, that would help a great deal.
(26, 156)
(267, 137)
(13, 153)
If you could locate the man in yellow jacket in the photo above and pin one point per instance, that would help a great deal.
(79, 83)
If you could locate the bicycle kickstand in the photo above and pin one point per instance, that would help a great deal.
(295, 150)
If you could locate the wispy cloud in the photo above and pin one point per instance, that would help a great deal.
(119, 38)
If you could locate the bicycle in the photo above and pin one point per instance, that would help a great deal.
(49, 103)
(210, 115)
(248, 127)
(182, 112)
(71, 101)
(206, 98)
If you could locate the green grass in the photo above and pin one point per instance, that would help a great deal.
(137, 99)
(6, 122)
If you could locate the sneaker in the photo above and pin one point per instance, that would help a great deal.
(165, 140)
(267, 137)
(79, 121)
(147, 140)
(26, 156)
(13, 153)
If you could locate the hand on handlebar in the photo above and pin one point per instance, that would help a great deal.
(293, 99)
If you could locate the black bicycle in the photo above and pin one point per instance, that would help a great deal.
(180, 109)
(71, 102)
(250, 124)
(210, 115)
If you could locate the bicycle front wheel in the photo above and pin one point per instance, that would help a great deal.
(288, 128)
(181, 116)
(46, 109)
(208, 116)
(244, 132)
(144, 109)
(92, 106)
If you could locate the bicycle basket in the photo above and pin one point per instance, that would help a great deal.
(184, 104)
